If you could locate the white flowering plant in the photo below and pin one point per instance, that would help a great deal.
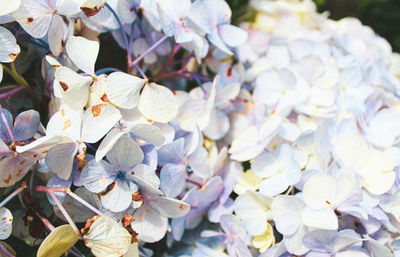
(276, 137)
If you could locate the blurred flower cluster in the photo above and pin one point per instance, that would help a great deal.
(277, 137)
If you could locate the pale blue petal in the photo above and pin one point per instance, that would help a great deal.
(125, 154)
(199, 163)
(170, 208)
(3, 130)
(26, 125)
(173, 178)
(150, 156)
(178, 227)
(96, 176)
(172, 153)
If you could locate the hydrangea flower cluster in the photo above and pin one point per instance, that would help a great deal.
(277, 137)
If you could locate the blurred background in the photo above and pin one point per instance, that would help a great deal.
(382, 15)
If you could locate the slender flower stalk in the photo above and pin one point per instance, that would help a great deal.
(170, 59)
(5, 250)
(106, 70)
(73, 195)
(151, 49)
(194, 182)
(13, 194)
(121, 27)
(82, 201)
(11, 92)
(65, 213)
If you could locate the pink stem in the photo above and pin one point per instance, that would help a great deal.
(194, 182)
(159, 42)
(6, 251)
(65, 213)
(11, 92)
(73, 195)
(11, 196)
(82, 201)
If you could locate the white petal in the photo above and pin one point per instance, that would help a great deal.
(6, 219)
(158, 103)
(34, 17)
(97, 121)
(7, 7)
(232, 35)
(265, 165)
(107, 238)
(319, 192)
(125, 154)
(9, 49)
(56, 35)
(38, 149)
(83, 53)
(323, 219)
(73, 87)
(123, 89)
(60, 159)
(149, 224)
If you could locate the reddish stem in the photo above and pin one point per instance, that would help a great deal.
(65, 213)
(13, 194)
(169, 60)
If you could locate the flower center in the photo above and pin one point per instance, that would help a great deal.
(120, 175)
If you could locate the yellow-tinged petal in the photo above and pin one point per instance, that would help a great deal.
(265, 240)
(58, 242)
(247, 181)
(133, 251)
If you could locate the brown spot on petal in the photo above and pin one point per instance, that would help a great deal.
(149, 121)
(126, 223)
(137, 197)
(96, 110)
(328, 202)
(22, 162)
(88, 224)
(64, 86)
(182, 206)
(4, 218)
(81, 161)
(29, 19)
(104, 98)
(35, 155)
(13, 145)
(90, 11)
(67, 124)
(13, 56)
(108, 189)
(7, 180)
(229, 72)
